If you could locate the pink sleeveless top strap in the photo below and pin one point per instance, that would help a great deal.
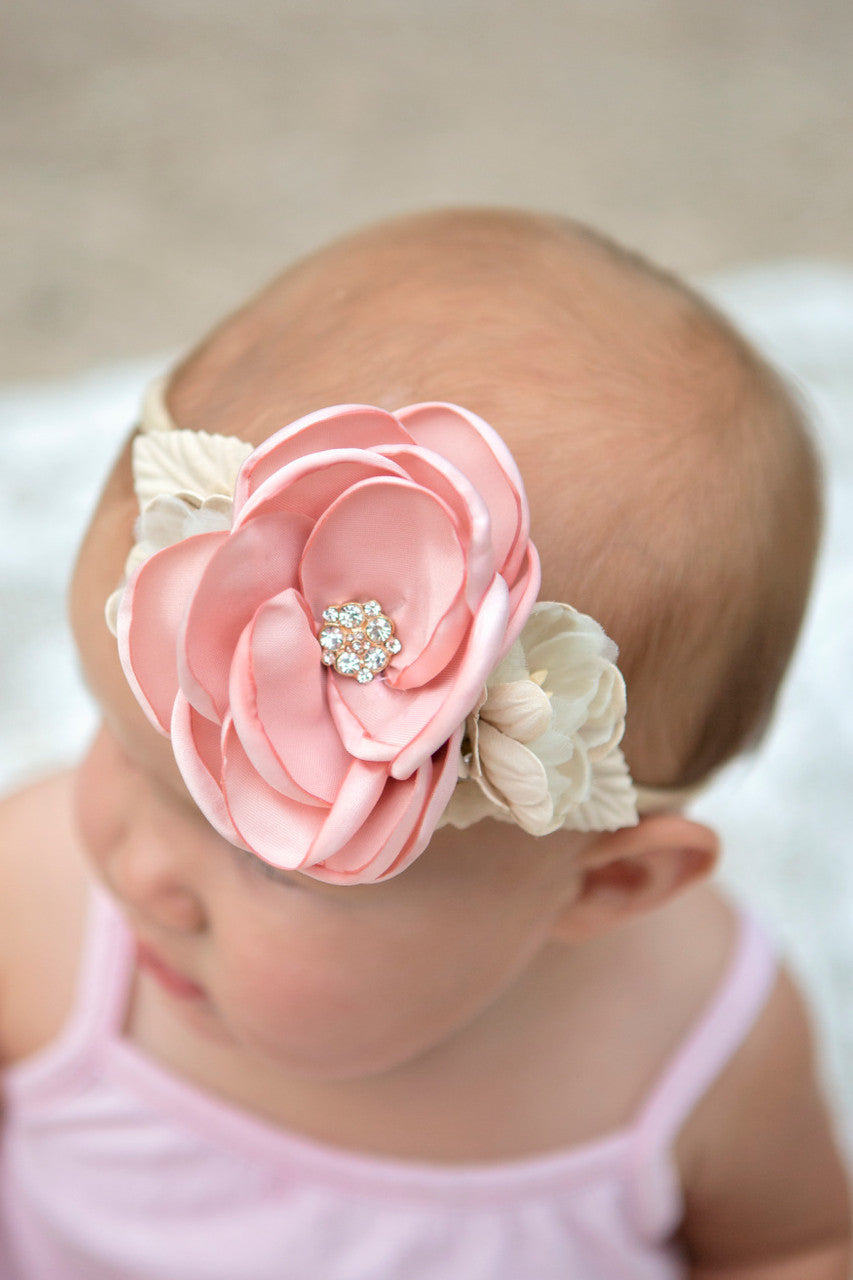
(699, 1060)
(98, 1009)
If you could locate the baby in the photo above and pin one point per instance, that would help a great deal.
(362, 943)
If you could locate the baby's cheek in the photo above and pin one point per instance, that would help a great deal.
(301, 997)
(296, 993)
(101, 797)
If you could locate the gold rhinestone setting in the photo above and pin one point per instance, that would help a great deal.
(358, 640)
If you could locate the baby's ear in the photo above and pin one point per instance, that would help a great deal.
(630, 872)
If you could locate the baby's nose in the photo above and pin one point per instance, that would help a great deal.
(152, 881)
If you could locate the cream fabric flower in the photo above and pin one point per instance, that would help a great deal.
(184, 483)
(541, 746)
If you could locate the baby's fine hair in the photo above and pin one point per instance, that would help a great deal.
(673, 487)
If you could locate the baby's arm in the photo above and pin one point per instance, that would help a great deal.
(43, 887)
(831, 1263)
(765, 1190)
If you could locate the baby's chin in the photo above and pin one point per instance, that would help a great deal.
(347, 1057)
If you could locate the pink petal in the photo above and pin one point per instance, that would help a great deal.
(195, 742)
(363, 788)
(277, 696)
(254, 564)
(432, 472)
(390, 540)
(438, 652)
(427, 805)
(309, 485)
(362, 728)
(278, 829)
(377, 722)
(344, 426)
(485, 642)
(369, 849)
(444, 776)
(522, 597)
(150, 618)
(479, 452)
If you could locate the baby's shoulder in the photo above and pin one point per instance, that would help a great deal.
(43, 889)
(757, 1157)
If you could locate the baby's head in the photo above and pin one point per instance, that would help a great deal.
(672, 487)
(672, 491)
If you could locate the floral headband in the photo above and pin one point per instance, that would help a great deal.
(339, 633)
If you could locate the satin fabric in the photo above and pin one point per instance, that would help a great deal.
(423, 510)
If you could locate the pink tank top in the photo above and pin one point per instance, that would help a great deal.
(112, 1168)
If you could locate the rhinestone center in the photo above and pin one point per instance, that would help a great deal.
(358, 640)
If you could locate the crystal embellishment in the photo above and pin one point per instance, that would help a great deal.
(376, 659)
(358, 640)
(331, 638)
(379, 630)
(347, 663)
(351, 616)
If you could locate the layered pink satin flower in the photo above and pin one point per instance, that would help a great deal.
(423, 511)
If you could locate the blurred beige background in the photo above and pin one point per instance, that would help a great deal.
(160, 158)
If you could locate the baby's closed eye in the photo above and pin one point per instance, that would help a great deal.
(257, 866)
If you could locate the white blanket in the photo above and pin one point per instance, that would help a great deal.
(785, 814)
